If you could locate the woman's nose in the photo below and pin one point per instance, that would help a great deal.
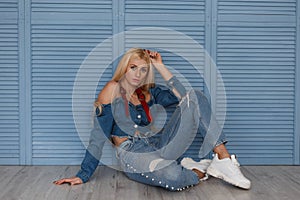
(138, 73)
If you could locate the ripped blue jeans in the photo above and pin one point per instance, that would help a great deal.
(154, 160)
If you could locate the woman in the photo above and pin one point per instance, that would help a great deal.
(129, 113)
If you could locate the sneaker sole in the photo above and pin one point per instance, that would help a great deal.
(217, 174)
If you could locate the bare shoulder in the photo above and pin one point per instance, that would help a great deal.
(106, 94)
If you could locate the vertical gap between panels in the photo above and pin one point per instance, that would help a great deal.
(27, 95)
(207, 47)
(297, 90)
(118, 27)
(22, 71)
(213, 54)
(24, 82)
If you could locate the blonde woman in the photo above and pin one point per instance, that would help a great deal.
(129, 112)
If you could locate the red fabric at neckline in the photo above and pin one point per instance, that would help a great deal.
(142, 99)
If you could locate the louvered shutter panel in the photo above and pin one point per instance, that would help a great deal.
(9, 84)
(256, 55)
(187, 17)
(63, 34)
(43, 44)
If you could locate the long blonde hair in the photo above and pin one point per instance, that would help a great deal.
(123, 64)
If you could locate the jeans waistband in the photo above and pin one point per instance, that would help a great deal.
(125, 143)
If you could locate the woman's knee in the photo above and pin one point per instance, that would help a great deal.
(201, 96)
(196, 96)
(202, 102)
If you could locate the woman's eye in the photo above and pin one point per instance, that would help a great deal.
(144, 70)
(133, 67)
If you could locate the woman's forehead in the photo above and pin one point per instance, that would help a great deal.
(137, 61)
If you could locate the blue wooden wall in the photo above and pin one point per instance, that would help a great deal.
(43, 44)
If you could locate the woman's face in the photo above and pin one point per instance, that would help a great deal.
(136, 72)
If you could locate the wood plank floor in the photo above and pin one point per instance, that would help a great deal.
(35, 183)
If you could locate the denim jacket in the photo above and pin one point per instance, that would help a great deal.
(111, 122)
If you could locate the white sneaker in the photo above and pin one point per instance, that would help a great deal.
(228, 170)
(202, 166)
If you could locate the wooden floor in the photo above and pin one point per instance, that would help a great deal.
(35, 182)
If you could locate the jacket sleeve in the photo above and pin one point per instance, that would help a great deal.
(164, 95)
(174, 83)
(103, 126)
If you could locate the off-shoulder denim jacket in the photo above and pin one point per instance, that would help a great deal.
(110, 123)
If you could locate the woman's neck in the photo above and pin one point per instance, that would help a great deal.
(127, 87)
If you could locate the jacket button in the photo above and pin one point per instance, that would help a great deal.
(135, 126)
(139, 116)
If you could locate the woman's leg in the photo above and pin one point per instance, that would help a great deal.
(181, 129)
(142, 163)
(192, 117)
(209, 129)
(172, 177)
(223, 165)
(221, 151)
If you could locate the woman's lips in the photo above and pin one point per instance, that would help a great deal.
(136, 80)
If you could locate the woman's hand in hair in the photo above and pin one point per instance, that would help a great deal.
(70, 181)
(155, 57)
(156, 60)
(159, 65)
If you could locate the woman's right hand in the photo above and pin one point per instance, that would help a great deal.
(155, 57)
(71, 181)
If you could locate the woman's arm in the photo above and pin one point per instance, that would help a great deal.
(156, 60)
(91, 158)
(176, 87)
(103, 125)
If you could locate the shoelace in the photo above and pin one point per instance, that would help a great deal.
(234, 160)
